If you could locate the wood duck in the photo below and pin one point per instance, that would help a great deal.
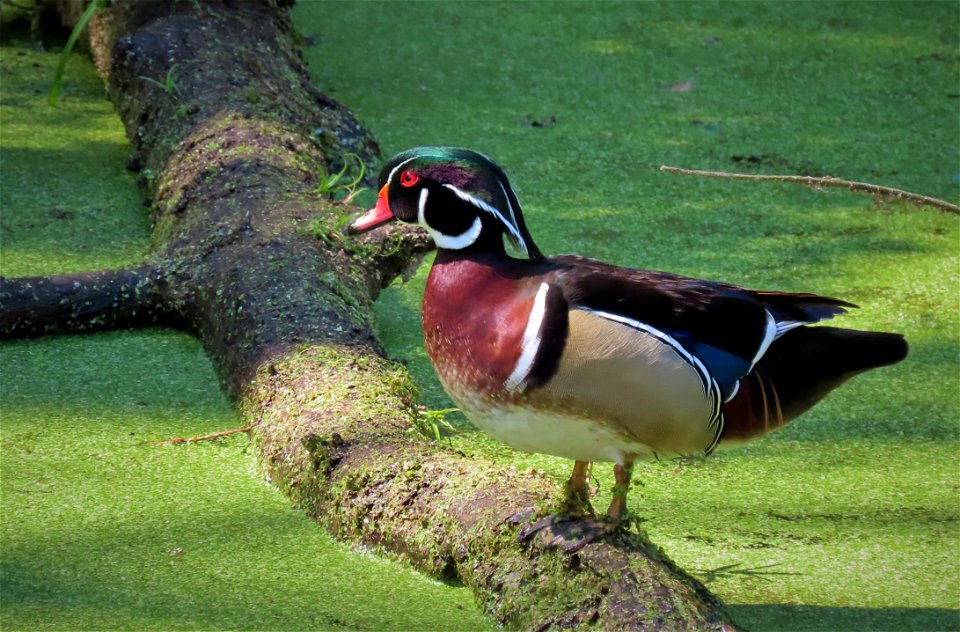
(585, 360)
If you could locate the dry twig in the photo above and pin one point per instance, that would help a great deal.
(214, 435)
(819, 182)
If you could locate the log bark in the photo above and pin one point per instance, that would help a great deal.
(246, 256)
(83, 302)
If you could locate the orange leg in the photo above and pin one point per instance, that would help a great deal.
(578, 488)
(618, 506)
(569, 529)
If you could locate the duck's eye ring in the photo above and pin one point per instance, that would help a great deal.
(409, 178)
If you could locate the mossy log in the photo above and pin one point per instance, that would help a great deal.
(246, 256)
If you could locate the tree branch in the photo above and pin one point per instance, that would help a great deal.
(818, 182)
(83, 302)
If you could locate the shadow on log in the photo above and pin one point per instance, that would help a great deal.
(247, 257)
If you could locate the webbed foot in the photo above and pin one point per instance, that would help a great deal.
(568, 532)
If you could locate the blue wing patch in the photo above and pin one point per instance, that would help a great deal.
(725, 367)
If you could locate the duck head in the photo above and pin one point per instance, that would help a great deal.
(461, 197)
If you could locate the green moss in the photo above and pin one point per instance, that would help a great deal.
(311, 384)
(867, 481)
(50, 222)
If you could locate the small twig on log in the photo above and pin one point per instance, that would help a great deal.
(215, 435)
(817, 182)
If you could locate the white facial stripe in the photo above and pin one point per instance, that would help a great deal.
(455, 242)
(394, 171)
(480, 204)
(421, 207)
(531, 341)
(513, 217)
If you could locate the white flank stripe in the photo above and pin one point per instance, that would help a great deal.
(454, 242)
(710, 387)
(422, 207)
(715, 416)
(733, 393)
(716, 437)
(786, 325)
(531, 341)
(702, 373)
(769, 336)
(480, 204)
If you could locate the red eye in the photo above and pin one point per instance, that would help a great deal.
(409, 178)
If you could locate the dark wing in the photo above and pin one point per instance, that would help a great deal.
(726, 327)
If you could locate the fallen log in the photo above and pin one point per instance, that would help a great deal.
(232, 142)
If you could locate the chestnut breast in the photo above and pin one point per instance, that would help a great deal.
(474, 316)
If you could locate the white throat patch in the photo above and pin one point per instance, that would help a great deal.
(450, 242)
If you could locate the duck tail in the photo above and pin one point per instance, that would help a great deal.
(801, 368)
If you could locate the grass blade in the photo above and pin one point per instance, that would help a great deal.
(68, 48)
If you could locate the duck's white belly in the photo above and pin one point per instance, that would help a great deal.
(560, 435)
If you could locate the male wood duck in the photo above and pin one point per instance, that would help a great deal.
(589, 361)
